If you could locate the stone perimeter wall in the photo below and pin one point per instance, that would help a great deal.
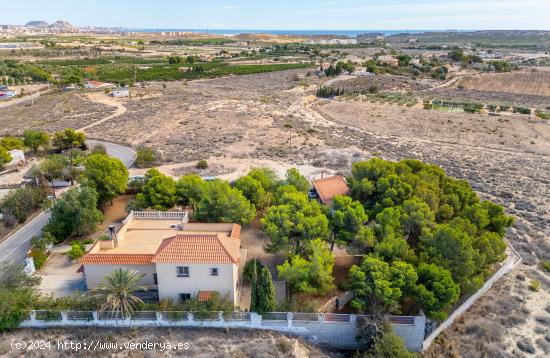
(338, 331)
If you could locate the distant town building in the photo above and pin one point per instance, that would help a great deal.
(6, 93)
(388, 61)
(121, 92)
(96, 84)
(370, 38)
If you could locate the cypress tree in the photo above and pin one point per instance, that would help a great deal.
(263, 292)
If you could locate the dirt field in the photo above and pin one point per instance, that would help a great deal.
(384, 83)
(531, 83)
(52, 112)
(206, 343)
(505, 132)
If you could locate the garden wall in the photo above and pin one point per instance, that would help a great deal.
(513, 260)
(336, 330)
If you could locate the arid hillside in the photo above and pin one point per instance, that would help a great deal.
(207, 343)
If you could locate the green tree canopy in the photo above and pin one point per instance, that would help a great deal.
(11, 143)
(190, 189)
(452, 249)
(435, 290)
(294, 222)
(17, 294)
(74, 215)
(416, 216)
(35, 140)
(347, 218)
(311, 273)
(267, 178)
(379, 286)
(159, 192)
(294, 178)
(107, 175)
(69, 138)
(118, 290)
(253, 190)
(221, 203)
(5, 157)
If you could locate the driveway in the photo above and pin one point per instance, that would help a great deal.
(254, 240)
(59, 276)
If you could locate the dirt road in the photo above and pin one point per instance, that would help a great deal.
(109, 101)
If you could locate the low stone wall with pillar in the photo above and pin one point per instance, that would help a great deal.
(335, 330)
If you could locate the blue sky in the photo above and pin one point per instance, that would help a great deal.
(286, 14)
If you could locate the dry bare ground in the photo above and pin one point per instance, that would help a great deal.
(205, 343)
(239, 122)
(531, 83)
(52, 112)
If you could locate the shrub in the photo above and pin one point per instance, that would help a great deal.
(522, 110)
(145, 157)
(21, 203)
(76, 251)
(202, 164)
(39, 257)
(545, 265)
(534, 285)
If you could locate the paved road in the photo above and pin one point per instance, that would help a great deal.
(125, 154)
(16, 246)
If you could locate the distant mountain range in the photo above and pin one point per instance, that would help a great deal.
(60, 24)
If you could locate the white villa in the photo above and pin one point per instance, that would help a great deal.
(180, 259)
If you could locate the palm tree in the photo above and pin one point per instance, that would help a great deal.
(117, 289)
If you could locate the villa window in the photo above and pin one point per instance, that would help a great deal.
(182, 271)
(214, 271)
(185, 297)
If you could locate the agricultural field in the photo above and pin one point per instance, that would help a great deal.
(535, 83)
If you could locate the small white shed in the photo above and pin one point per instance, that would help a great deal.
(121, 92)
(17, 156)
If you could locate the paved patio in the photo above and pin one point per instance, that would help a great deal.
(60, 277)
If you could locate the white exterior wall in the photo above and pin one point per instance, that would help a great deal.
(121, 93)
(17, 156)
(170, 285)
(96, 273)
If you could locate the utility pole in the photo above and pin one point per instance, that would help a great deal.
(289, 126)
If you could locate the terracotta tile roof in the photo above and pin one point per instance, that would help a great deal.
(328, 188)
(205, 295)
(116, 259)
(197, 249)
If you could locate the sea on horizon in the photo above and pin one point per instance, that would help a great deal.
(348, 33)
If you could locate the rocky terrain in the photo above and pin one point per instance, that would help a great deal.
(203, 343)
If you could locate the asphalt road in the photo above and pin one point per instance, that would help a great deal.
(15, 247)
(125, 154)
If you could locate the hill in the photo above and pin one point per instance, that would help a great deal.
(61, 24)
(37, 24)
